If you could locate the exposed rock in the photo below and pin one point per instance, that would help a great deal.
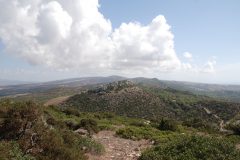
(118, 148)
(81, 131)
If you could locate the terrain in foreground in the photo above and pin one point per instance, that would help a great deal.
(119, 120)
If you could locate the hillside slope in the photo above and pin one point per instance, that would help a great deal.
(219, 91)
(132, 100)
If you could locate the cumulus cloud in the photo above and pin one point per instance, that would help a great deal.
(149, 46)
(209, 67)
(75, 35)
(187, 55)
(54, 23)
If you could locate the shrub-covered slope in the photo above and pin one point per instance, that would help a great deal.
(128, 99)
(29, 131)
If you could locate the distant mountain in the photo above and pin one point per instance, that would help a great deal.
(74, 83)
(226, 92)
(4, 82)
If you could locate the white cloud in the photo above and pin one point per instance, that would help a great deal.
(150, 46)
(59, 34)
(54, 23)
(187, 66)
(187, 55)
(209, 67)
(75, 35)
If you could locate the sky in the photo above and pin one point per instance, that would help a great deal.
(195, 40)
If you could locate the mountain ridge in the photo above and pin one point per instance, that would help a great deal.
(226, 92)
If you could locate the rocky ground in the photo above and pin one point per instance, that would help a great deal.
(118, 148)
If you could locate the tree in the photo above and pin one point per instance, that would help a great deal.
(167, 125)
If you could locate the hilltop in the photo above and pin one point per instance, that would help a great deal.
(75, 85)
(128, 98)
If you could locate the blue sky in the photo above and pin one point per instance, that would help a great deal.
(206, 29)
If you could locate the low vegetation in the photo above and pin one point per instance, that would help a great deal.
(171, 120)
(194, 148)
(154, 104)
(29, 131)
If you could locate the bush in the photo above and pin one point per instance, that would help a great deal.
(89, 145)
(17, 119)
(90, 125)
(83, 144)
(59, 145)
(11, 150)
(106, 127)
(138, 124)
(137, 133)
(17, 154)
(198, 124)
(24, 123)
(71, 111)
(235, 128)
(55, 123)
(194, 148)
(167, 125)
(104, 115)
(72, 125)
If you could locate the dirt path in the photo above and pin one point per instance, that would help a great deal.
(56, 101)
(118, 148)
(221, 124)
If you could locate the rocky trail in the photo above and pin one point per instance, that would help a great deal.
(118, 148)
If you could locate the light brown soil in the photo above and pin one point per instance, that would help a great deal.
(238, 146)
(118, 148)
(56, 101)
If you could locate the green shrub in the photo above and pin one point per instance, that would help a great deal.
(17, 118)
(193, 148)
(55, 123)
(198, 124)
(11, 150)
(25, 124)
(90, 125)
(234, 139)
(235, 127)
(104, 115)
(105, 127)
(137, 133)
(57, 144)
(17, 154)
(167, 125)
(89, 145)
(71, 111)
(72, 125)
(5, 148)
(138, 124)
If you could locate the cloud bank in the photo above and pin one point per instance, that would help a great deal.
(74, 34)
